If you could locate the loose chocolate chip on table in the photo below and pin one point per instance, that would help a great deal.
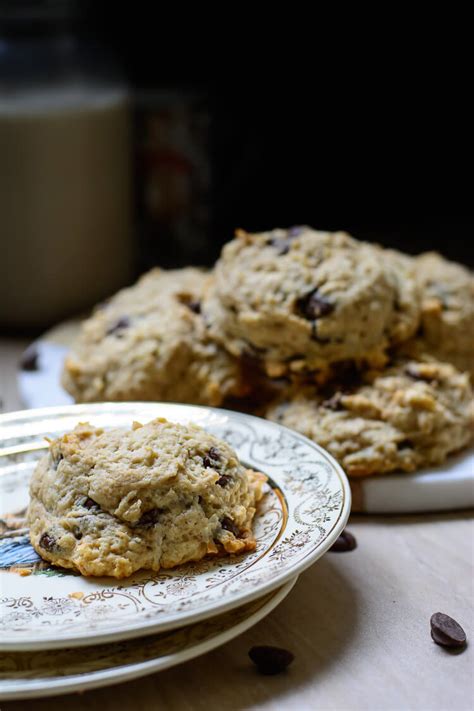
(212, 458)
(120, 324)
(313, 305)
(29, 359)
(149, 518)
(47, 542)
(447, 632)
(228, 525)
(270, 660)
(224, 480)
(345, 542)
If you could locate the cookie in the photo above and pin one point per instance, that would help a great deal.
(299, 299)
(447, 313)
(149, 342)
(412, 414)
(158, 495)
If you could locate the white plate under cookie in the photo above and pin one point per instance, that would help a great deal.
(445, 488)
(302, 514)
(53, 672)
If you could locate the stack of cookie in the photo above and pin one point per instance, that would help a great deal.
(367, 351)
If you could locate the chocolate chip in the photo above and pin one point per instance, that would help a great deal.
(149, 518)
(281, 244)
(446, 631)
(228, 525)
(333, 403)
(29, 359)
(313, 305)
(345, 542)
(57, 459)
(404, 444)
(120, 324)
(212, 458)
(296, 230)
(193, 304)
(224, 480)
(90, 504)
(77, 534)
(47, 542)
(271, 660)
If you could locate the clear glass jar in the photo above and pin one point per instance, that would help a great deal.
(65, 168)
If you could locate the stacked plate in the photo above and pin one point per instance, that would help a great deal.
(150, 621)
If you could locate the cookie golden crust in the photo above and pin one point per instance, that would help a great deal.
(299, 299)
(447, 311)
(113, 502)
(412, 414)
(149, 342)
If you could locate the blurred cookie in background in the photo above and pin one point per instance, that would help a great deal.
(149, 342)
(406, 416)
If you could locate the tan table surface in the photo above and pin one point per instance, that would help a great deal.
(358, 624)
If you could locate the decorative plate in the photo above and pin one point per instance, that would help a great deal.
(41, 607)
(447, 487)
(61, 671)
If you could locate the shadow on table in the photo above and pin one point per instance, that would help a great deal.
(317, 621)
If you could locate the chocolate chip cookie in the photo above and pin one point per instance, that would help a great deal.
(411, 414)
(158, 495)
(298, 299)
(447, 311)
(149, 342)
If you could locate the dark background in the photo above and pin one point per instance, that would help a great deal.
(320, 125)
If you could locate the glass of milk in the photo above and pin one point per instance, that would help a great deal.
(65, 168)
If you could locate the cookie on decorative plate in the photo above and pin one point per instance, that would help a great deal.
(158, 495)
